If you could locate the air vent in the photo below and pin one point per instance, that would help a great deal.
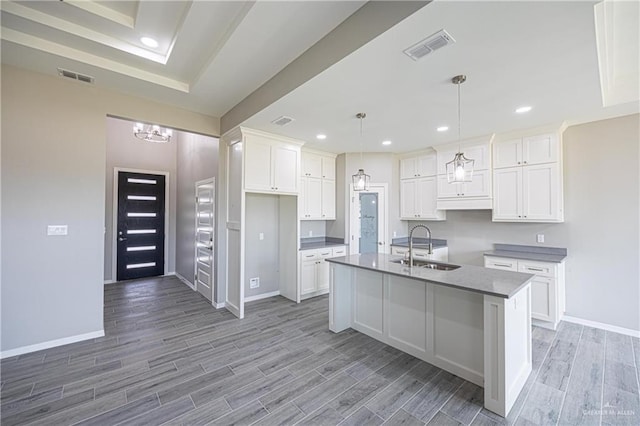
(282, 121)
(429, 45)
(75, 76)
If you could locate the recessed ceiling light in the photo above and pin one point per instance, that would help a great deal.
(148, 41)
(442, 128)
(523, 109)
(321, 137)
(386, 142)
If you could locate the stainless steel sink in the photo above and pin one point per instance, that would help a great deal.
(427, 264)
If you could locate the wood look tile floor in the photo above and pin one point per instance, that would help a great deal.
(168, 357)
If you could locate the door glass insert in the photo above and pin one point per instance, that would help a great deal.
(368, 222)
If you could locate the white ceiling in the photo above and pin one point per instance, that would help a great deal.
(211, 54)
(541, 54)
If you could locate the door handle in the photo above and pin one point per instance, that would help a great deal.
(380, 243)
(122, 239)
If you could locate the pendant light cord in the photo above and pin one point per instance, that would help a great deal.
(459, 117)
(361, 143)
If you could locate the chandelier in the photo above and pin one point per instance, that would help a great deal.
(361, 179)
(460, 169)
(151, 133)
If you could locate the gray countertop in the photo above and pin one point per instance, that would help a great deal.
(481, 280)
(541, 254)
(418, 242)
(311, 243)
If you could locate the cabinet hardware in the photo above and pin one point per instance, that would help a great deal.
(535, 269)
(525, 162)
(502, 264)
(309, 255)
(518, 162)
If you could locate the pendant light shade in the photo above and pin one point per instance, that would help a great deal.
(361, 179)
(460, 169)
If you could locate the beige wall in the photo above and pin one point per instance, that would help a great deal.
(53, 172)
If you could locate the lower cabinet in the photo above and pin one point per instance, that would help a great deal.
(314, 271)
(440, 254)
(547, 287)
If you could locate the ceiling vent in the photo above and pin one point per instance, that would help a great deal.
(430, 44)
(282, 121)
(75, 76)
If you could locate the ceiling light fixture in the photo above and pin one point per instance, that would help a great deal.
(442, 128)
(386, 142)
(149, 42)
(523, 109)
(460, 169)
(321, 137)
(151, 133)
(360, 179)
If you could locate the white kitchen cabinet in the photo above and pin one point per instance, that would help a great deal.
(418, 199)
(528, 194)
(418, 166)
(479, 151)
(318, 186)
(314, 271)
(529, 150)
(479, 187)
(270, 166)
(440, 254)
(547, 287)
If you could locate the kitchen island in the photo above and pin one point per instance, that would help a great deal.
(471, 321)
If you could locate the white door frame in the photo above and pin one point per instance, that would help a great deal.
(114, 226)
(212, 181)
(354, 220)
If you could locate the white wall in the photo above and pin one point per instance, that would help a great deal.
(53, 172)
(126, 151)
(197, 159)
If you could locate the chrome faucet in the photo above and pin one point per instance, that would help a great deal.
(411, 243)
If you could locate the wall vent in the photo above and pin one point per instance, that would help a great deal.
(75, 76)
(282, 121)
(430, 44)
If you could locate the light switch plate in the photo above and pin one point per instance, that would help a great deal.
(261, 236)
(57, 230)
(540, 238)
(254, 282)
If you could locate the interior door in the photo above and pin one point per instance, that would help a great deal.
(205, 217)
(140, 225)
(368, 220)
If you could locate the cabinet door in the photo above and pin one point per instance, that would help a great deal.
(302, 200)
(328, 199)
(480, 154)
(399, 251)
(426, 198)
(328, 168)
(540, 149)
(257, 169)
(507, 194)
(543, 300)
(285, 162)
(408, 168)
(313, 198)
(408, 198)
(311, 165)
(446, 189)
(507, 153)
(426, 165)
(541, 192)
(480, 185)
(308, 276)
(322, 269)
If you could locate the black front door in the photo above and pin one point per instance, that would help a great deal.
(140, 232)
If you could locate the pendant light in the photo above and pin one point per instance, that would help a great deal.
(460, 169)
(360, 179)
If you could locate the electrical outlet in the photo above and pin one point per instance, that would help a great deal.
(394, 234)
(57, 230)
(254, 282)
(261, 236)
(311, 233)
(540, 238)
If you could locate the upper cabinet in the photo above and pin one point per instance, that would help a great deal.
(418, 188)
(318, 186)
(474, 195)
(271, 163)
(528, 179)
(529, 150)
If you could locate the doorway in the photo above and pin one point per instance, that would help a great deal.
(204, 243)
(368, 223)
(140, 224)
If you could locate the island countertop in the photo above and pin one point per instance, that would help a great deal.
(468, 277)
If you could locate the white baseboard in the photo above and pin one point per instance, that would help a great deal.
(107, 282)
(51, 344)
(184, 280)
(608, 327)
(261, 296)
(218, 305)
